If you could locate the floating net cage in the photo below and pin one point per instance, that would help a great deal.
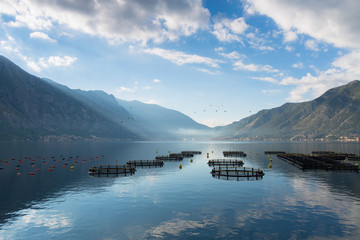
(226, 162)
(112, 170)
(237, 173)
(146, 163)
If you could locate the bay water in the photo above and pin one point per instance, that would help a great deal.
(169, 202)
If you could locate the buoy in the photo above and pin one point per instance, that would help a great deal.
(356, 164)
(16, 168)
(18, 174)
(64, 166)
(72, 167)
(191, 160)
(53, 166)
(50, 169)
(270, 160)
(38, 170)
(31, 173)
(270, 166)
(180, 166)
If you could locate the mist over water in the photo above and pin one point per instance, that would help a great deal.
(172, 203)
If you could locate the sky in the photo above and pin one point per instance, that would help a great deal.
(216, 61)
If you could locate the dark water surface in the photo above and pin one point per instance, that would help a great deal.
(172, 203)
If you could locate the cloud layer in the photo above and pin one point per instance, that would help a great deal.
(117, 21)
(336, 22)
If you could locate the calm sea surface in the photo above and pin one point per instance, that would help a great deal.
(168, 202)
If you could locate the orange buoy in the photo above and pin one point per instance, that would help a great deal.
(64, 166)
(31, 173)
(50, 169)
(18, 174)
(38, 170)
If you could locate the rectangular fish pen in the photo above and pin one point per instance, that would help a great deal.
(225, 162)
(273, 152)
(169, 158)
(317, 162)
(183, 155)
(237, 172)
(191, 152)
(146, 163)
(113, 170)
(234, 154)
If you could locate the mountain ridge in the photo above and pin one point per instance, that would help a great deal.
(334, 114)
(33, 109)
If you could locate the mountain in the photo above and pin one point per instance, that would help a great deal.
(33, 109)
(163, 123)
(150, 121)
(333, 115)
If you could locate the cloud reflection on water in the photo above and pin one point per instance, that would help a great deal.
(55, 221)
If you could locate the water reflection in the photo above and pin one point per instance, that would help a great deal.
(171, 203)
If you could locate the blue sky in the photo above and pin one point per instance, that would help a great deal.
(217, 61)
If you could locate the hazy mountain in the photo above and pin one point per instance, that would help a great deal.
(163, 123)
(33, 109)
(149, 121)
(334, 114)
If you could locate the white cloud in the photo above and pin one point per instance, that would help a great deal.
(204, 70)
(298, 65)
(258, 42)
(312, 45)
(345, 69)
(34, 66)
(156, 81)
(290, 36)
(117, 21)
(228, 30)
(60, 61)
(53, 61)
(289, 48)
(181, 58)
(219, 49)
(232, 55)
(239, 65)
(41, 35)
(267, 79)
(342, 19)
(270, 91)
